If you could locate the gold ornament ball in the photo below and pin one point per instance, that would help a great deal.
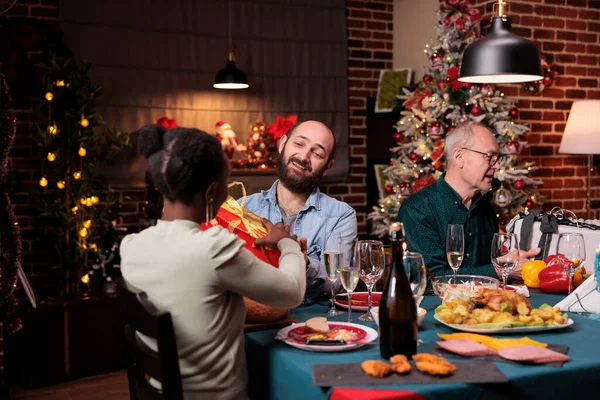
(82, 152)
(85, 279)
(51, 157)
(43, 182)
(77, 175)
(52, 129)
(60, 184)
(95, 200)
(87, 223)
(83, 232)
(74, 210)
(84, 122)
(49, 96)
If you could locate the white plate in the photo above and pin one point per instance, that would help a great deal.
(355, 307)
(520, 329)
(371, 336)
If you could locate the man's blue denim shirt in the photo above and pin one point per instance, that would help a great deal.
(320, 215)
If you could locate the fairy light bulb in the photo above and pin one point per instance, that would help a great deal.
(77, 175)
(87, 223)
(84, 122)
(43, 182)
(82, 201)
(74, 210)
(88, 202)
(49, 96)
(51, 157)
(83, 232)
(52, 129)
(94, 200)
(60, 83)
(82, 152)
(60, 184)
(85, 279)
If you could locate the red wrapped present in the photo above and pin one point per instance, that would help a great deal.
(246, 225)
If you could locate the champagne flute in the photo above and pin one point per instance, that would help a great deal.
(414, 266)
(455, 247)
(371, 258)
(349, 272)
(570, 253)
(505, 254)
(333, 255)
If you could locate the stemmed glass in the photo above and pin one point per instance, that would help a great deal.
(414, 266)
(571, 247)
(333, 256)
(349, 271)
(455, 246)
(371, 258)
(505, 254)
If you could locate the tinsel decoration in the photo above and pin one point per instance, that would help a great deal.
(10, 239)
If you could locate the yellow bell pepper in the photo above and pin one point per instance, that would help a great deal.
(530, 272)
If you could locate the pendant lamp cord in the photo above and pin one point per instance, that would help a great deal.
(231, 49)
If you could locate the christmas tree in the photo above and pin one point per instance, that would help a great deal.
(74, 197)
(440, 103)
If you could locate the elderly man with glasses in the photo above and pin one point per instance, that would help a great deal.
(472, 158)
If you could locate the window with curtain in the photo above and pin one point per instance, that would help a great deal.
(159, 58)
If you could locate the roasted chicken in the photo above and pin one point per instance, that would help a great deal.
(502, 301)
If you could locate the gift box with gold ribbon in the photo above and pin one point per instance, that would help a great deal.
(248, 226)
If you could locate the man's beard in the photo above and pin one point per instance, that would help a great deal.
(297, 184)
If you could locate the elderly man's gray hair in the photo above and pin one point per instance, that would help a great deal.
(461, 136)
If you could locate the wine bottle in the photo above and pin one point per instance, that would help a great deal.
(397, 309)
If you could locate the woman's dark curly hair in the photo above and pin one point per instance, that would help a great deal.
(182, 162)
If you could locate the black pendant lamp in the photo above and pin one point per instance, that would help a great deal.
(501, 56)
(230, 77)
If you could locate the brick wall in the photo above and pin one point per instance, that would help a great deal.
(567, 32)
(370, 46)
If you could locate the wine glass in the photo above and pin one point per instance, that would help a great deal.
(570, 253)
(414, 267)
(349, 272)
(455, 246)
(332, 257)
(371, 258)
(505, 254)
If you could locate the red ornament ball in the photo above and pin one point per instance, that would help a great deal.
(388, 189)
(441, 85)
(529, 204)
(427, 79)
(514, 113)
(519, 184)
(547, 81)
(414, 157)
(448, 79)
(476, 110)
(437, 165)
(398, 137)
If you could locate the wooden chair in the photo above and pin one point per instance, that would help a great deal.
(140, 315)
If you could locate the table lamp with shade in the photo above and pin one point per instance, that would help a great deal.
(582, 136)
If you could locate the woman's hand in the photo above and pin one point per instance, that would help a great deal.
(275, 232)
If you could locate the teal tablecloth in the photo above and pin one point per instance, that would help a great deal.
(278, 371)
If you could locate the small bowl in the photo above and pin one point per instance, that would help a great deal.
(467, 284)
(420, 315)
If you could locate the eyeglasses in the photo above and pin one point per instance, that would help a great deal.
(492, 159)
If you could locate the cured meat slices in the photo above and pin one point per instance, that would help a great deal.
(466, 347)
(534, 354)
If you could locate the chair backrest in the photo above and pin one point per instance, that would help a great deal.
(140, 315)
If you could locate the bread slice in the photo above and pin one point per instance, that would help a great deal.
(317, 324)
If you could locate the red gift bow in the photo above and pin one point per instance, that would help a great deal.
(166, 122)
(282, 126)
(423, 182)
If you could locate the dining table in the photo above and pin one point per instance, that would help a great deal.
(279, 371)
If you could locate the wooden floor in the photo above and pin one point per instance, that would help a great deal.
(110, 386)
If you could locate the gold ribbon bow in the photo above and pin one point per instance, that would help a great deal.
(252, 222)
